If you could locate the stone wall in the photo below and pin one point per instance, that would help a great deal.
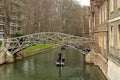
(101, 62)
(98, 60)
(113, 70)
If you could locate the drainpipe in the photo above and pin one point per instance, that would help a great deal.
(107, 29)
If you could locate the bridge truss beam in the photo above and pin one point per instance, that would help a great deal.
(14, 45)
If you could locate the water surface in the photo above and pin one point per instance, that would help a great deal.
(42, 67)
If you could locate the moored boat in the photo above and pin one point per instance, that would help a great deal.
(60, 64)
(60, 61)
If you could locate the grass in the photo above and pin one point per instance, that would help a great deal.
(37, 47)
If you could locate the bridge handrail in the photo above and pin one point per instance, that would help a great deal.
(44, 37)
(48, 32)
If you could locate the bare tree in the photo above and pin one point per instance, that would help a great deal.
(6, 16)
(53, 16)
(71, 17)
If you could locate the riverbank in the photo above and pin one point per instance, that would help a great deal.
(36, 49)
(29, 51)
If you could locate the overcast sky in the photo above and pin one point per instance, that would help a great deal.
(84, 2)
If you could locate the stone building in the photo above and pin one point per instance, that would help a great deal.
(99, 31)
(114, 40)
(14, 8)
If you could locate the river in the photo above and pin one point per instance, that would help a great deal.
(43, 67)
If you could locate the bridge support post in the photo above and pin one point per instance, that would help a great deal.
(6, 57)
(2, 57)
(89, 58)
(10, 58)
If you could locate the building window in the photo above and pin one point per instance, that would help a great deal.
(19, 29)
(1, 27)
(118, 36)
(118, 4)
(105, 13)
(0, 11)
(111, 36)
(1, 36)
(105, 39)
(94, 20)
(100, 16)
(111, 5)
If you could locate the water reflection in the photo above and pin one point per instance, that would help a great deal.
(43, 67)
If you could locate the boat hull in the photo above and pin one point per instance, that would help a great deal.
(60, 64)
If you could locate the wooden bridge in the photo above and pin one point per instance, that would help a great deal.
(14, 45)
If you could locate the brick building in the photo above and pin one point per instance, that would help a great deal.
(86, 15)
(99, 31)
(14, 8)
